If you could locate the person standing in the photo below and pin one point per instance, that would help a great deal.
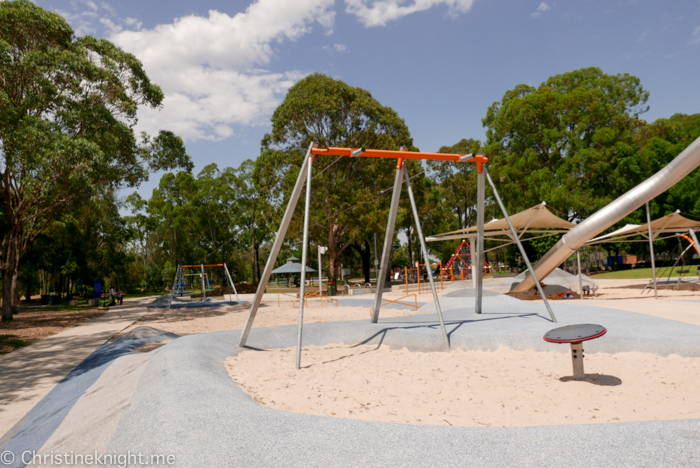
(120, 296)
(111, 297)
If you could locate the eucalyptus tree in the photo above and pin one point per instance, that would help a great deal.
(258, 190)
(569, 141)
(349, 194)
(67, 113)
(457, 182)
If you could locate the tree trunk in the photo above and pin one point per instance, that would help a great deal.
(333, 254)
(10, 276)
(257, 264)
(252, 253)
(365, 257)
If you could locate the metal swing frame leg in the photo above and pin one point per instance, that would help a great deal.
(276, 246)
(388, 240)
(172, 290)
(479, 269)
(419, 231)
(304, 256)
(520, 245)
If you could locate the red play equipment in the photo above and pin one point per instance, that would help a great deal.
(461, 261)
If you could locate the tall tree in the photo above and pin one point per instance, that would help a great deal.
(348, 193)
(258, 194)
(569, 141)
(67, 111)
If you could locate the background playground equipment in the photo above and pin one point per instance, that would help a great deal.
(533, 223)
(569, 244)
(672, 224)
(414, 275)
(183, 287)
(461, 262)
(681, 258)
(179, 282)
(401, 174)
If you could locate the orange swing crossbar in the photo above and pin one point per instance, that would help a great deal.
(373, 153)
(200, 266)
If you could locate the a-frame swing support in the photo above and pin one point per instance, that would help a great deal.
(179, 274)
(401, 173)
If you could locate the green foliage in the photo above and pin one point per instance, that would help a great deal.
(67, 110)
(570, 141)
(349, 194)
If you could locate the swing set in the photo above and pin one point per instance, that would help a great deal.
(181, 286)
(305, 178)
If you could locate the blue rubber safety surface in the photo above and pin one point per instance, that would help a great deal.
(36, 427)
(187, 405)
(165, 302)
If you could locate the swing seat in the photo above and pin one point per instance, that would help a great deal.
(683, 272)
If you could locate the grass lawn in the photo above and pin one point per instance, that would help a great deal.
(641, 273)
(10, 342)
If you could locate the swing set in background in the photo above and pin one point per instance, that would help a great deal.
(181, 286)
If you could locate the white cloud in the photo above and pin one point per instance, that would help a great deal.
(695, 36)
(209, 67)
(540, 9)
(111, 27)
(379, 12)
(202, 103)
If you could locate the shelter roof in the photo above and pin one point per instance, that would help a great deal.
(292, 267)
(537, 219)
(669, 224)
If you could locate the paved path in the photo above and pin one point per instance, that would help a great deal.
(681, 309)
(29, 374)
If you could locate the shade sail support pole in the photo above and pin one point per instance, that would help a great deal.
(651, 252)
(580, 275)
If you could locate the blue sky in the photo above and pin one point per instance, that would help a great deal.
(226, 65)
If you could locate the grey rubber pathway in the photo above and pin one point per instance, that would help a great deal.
(185, 403)
(30, 373)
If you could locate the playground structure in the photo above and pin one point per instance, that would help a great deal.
(680, 258)
(672, 225)
(179, 283)
(535, 222)
(571, 242)
(401, 174)
(461, 259)
(182, 284)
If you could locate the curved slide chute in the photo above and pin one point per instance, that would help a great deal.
(651, 188)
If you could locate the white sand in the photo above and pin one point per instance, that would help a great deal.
(475, 388)
(189, 321)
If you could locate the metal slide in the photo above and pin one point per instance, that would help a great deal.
(651, 188)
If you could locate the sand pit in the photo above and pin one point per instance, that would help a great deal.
(189, 321)
(470, 388)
